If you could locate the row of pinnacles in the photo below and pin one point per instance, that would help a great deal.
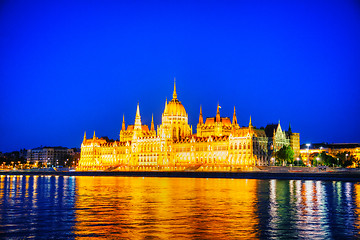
(219, 144)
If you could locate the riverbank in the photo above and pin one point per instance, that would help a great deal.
(353, 176)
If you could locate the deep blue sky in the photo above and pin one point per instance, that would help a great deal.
(72, 66)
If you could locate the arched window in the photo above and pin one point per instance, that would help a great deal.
(174, 132)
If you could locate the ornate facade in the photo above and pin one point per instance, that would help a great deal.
(219, 144)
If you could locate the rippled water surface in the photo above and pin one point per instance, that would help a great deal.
(51, 207)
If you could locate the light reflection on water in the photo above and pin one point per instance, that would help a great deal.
(140, 207)
(137, 208)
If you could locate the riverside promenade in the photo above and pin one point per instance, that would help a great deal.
(288, 173)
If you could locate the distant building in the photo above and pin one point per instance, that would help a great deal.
(219, 144)
(330, 148)
(50, 156)
(279, 138)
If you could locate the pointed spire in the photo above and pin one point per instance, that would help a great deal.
(165, 109)
(84, 136)
(201, 120)
(250, 123)
(138, 118)
(123, 123)
(217, 114)
(152, 123)
(94, 137)
(290, 131)
(137, 110)
(174, 93)
(278, 129)
(234, 117)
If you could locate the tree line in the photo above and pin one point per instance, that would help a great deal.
(285, 156)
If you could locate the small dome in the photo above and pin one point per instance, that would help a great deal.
(175, 108)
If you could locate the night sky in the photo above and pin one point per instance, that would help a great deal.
(72, 66)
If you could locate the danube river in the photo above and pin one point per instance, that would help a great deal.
(57, 207)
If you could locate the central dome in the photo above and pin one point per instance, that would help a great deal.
(175, 108)
(174, 122)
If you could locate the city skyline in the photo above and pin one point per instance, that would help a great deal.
(68, 67)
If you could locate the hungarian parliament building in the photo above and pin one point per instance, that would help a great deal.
(219, 144)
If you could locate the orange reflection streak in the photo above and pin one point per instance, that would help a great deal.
(34, 191)
(357, 209)
(2, 186)
(136, 208)
(27, 186)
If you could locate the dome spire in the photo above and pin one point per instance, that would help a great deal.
(94, 137)
(84, 136)
(174, 93)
